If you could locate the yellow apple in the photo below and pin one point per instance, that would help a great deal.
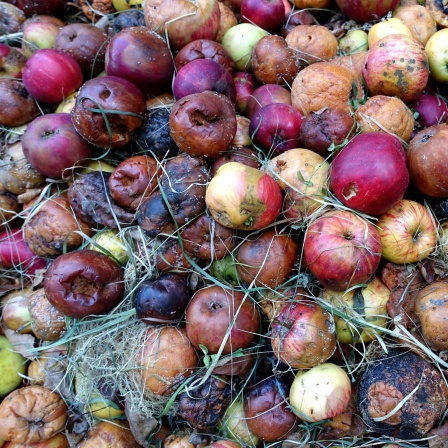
(354, 42)
(386, 28)
(437, 53)
(123, 5)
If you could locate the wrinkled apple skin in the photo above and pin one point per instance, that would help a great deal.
(366, 10)
(398, 66)
(242, 197)
(342, 249)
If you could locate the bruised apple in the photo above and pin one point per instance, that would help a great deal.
(242, 197)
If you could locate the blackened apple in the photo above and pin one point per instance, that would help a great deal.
(266, 94)
(370, 174)
(51, 75)
(86, 43)
(162, 300)
(200, 75)
(142, 57)
(275, 128)
(128, 18)
(267, 14)
(53, 147)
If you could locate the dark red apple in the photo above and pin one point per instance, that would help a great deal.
(53, 147)
(342, 249)
(431, 109)
(218, 317)
(50, 7)
(142, 57)
(162, 300)
(370, 174)
(267, 14)
(50, 75)
(275, 128)
(266, 94)
(12, 61)
(200, 75)
(86, 43)
(245, 83)
(366, 10)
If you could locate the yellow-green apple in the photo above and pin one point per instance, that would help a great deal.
(320, 393)
(12, 367)
(243, 198)
(342, 249)
(354, 42)
(437, 57)
(110, 242)
(366, 10)
(408, 233)
(39, 32)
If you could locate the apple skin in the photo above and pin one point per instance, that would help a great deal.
(52, 146)
(142, 57)
(437, 55)
(245, 85)
(12, 61)
(266, 94)
(50, 75)
(12, 366)
(342, 249)
(303, 334)
(369, 174)
(396, 65)
(203, 74)
(366, 10)
(39, 33)
(275, 128)
(47, 7)
(432, 109)
(407, 232)
(15, 311)
(267, 14)
(210, 313)
(242, 197)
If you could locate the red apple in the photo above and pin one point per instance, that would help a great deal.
(53, 147)
(267, 14)
(219, 318)
(242, 197)
(245, 85)
(275, 128)
(366, 10)
(431, 109)
(266, 94)
(407, 232)
(203, 74)
(142, 57)
(342, 249)
(50, 7)
(369, 174)
(303, 334)
(51, 75)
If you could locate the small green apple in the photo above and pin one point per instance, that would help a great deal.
(354, 42)
(112, 244)
(225, 271)
(12, 366)
(437, 52)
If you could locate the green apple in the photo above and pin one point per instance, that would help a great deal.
(12, 366)
(437, 52)
(239, 41)
(354, 42)
(225, 271)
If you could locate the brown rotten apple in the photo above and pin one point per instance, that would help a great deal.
(303, 335)
(220, 318)
(342, 249)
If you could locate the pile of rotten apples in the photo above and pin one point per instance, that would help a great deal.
(224, 223)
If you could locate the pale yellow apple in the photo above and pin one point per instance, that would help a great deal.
(67, 104)
(123, 5)
(437, 52)
(354, 42)
(386, 28)
(12, 366)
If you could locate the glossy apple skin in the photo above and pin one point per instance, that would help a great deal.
(142, 57)
(245, 83)
(266, 94)
(366, 10)
(50, 75)
(267, 14)
(52, 146)
(432, 109)
(369, 174)
(342, 249)
(303, 334)
(210, 313)
(275, 128)
(203, 74)
(242, 197)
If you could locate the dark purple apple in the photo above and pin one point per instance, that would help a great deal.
(86, 44)
(162, 300)
(432, 109)
(370, 174)
(275, 128)
(245, 83)
(366, 10)
(53, 147)
(50, 75)
(142, 57)
(12, 61)
(266, 94)
(200, 75)
(267, 14)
